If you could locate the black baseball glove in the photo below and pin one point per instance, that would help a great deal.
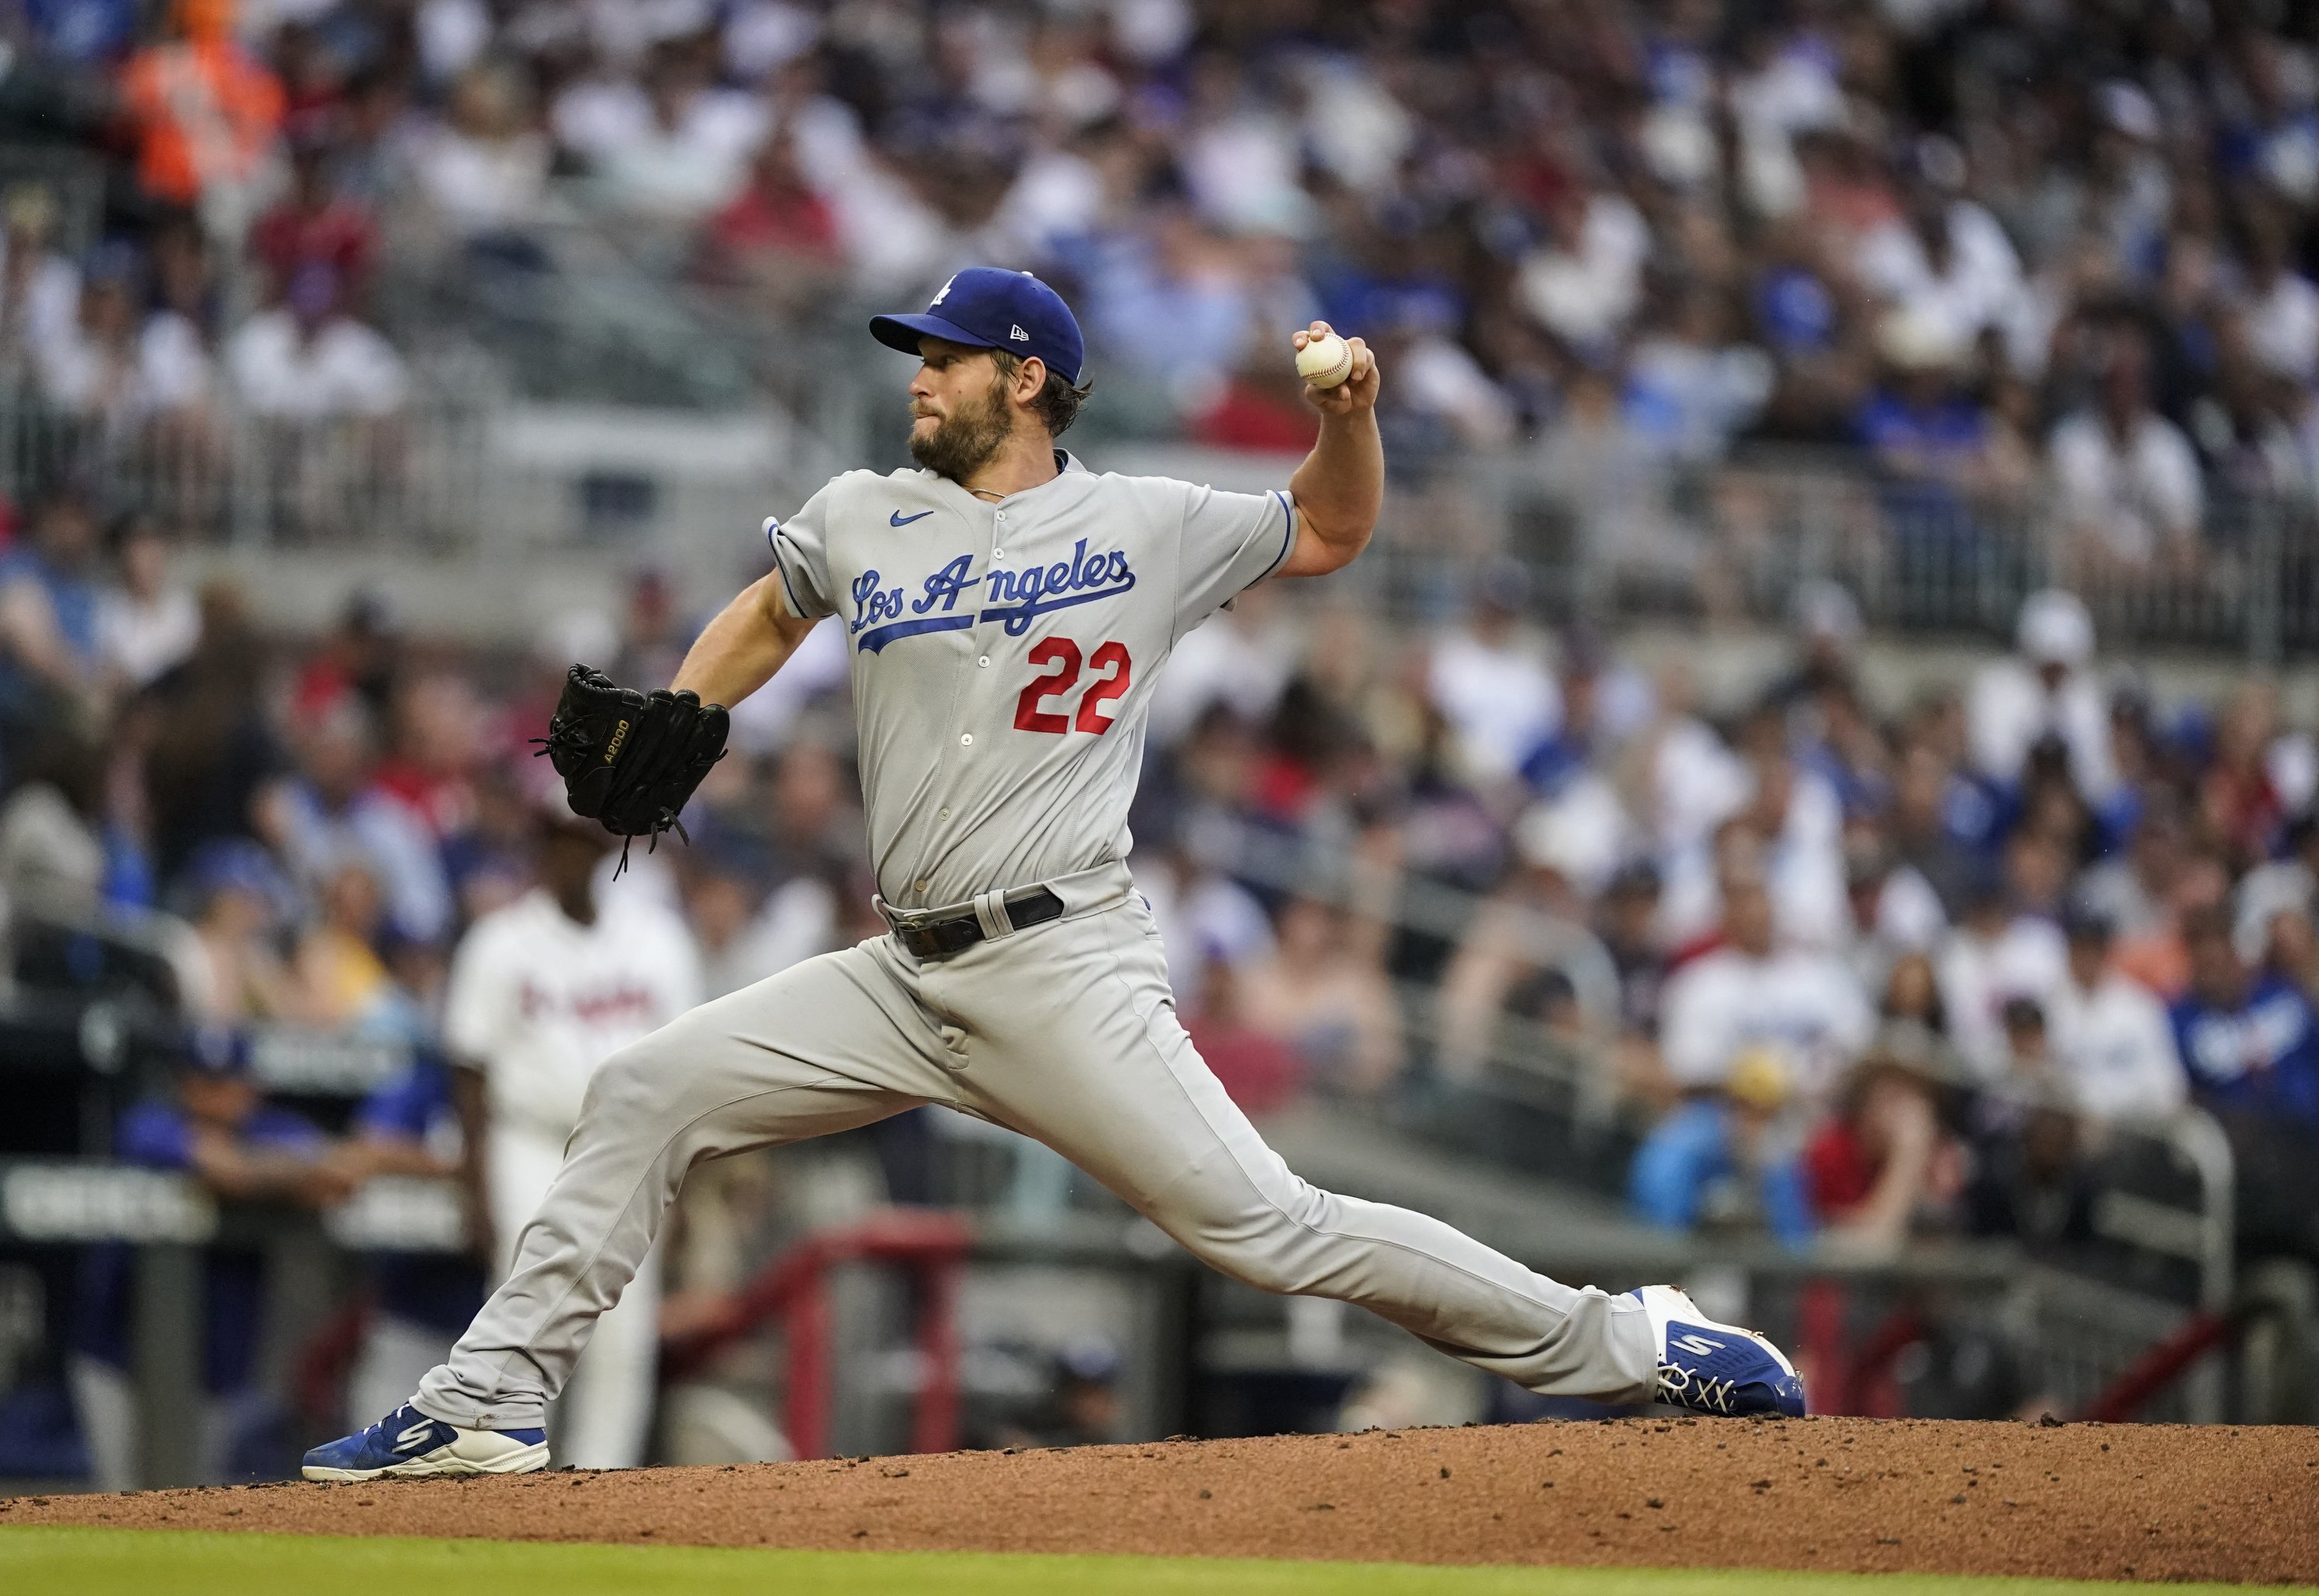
(630, 758)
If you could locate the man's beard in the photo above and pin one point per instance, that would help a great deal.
(967, 439)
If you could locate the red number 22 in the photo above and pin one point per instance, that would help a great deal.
(1061, 656)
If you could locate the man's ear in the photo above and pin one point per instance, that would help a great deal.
(1029, 378)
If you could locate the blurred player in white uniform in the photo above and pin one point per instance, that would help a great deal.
(541, 992)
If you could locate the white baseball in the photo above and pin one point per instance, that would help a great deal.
(1325, 362)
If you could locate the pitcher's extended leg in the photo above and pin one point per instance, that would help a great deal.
(827, 1045)
(1073, 1041)
(603, 1417)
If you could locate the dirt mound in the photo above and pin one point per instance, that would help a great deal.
(2092, 1502)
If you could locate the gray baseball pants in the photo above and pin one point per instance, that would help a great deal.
(1065, 1031)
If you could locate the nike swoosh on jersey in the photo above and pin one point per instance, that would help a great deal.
(898, 519)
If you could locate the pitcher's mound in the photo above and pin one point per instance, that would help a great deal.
(2087, 1501)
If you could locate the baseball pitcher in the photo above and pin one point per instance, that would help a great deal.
(1005, 611)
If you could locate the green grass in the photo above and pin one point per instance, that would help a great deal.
(37, 1562)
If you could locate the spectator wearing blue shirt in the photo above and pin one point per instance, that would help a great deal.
(83, 31)
(1927, 436)
(47, 611)
(1794, 309)
(1720, 1156)
(420, 1123)
(216, 1127)
(1922, 427)
(335, 809)
(1601, 704)
(2250, 1043)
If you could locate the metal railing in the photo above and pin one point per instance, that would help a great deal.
(581, 306)
(1721, 543)
(1730, 543)
(223, 473)
(604, 310)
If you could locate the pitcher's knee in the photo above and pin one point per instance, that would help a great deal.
(1276, 1255)
(636, 1085)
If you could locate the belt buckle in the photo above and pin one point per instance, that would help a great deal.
(910, 922)
(915, 932)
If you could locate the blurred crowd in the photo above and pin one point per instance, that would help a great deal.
(1852, 972)
(2005, 251)
(218, 270)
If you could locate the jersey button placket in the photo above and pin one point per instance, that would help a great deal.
(982, 661)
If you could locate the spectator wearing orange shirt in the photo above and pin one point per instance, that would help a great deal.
(207, 113)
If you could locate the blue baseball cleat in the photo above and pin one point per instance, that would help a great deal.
(408, 1445)
(1717, 1368)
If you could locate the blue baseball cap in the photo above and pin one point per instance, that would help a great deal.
(222, 1052)
(990, 308)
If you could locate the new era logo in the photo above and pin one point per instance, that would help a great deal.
(1019, 335)
(1697, 1346)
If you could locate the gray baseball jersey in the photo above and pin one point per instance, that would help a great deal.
(1004, 653)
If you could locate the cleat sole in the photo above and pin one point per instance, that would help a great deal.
(523, 1461)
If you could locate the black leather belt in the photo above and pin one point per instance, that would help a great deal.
(950, 934)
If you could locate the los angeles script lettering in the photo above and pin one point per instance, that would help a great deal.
(1017, 596)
